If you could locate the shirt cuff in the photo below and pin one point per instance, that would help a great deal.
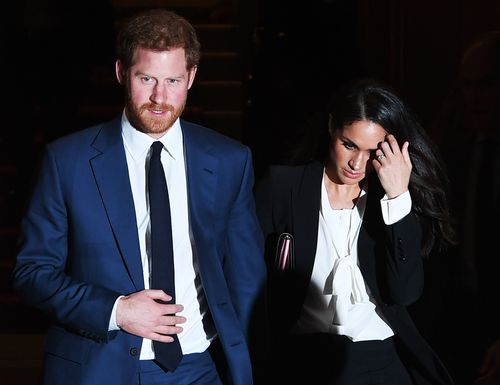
(112, 320)
(395, 209)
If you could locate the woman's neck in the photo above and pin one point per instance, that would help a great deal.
(341, 196)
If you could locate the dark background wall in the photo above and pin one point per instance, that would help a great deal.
(304, 51)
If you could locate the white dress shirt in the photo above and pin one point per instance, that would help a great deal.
(188, 291)
(337, 300)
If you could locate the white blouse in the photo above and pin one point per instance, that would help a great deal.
(337, 300)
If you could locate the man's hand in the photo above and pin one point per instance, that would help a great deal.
(147, 314)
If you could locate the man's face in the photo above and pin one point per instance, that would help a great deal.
(157, 85)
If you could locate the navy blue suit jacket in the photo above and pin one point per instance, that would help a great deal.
(80, 250)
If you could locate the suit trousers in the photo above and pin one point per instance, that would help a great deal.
(325, 359)
(194, 369)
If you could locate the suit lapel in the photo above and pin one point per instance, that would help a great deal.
(372, 228)
(112, 178)
(306, 201)
(201, 171)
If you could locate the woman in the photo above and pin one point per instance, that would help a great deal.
(345, 241)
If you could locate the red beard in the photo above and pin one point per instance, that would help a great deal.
(151, 124)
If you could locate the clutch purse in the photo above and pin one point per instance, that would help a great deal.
(285, 258)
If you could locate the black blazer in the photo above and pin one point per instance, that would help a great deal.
(288, 200)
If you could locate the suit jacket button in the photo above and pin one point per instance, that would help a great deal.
(134, 352)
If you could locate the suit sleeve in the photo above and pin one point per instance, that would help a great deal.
(263, 197)
(404, 264)
(40, 274)
(244, 264)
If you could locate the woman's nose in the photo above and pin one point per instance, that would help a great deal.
(357, 161)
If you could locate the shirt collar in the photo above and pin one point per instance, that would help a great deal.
(138, 143)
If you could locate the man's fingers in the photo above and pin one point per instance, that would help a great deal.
(172, 319)
(168, 329)
(162, 337)
(171, 309)
(159, 294)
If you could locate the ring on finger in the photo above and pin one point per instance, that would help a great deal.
(379, 157)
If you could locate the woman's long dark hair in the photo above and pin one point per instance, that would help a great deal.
(375, 102)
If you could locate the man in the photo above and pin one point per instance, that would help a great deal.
(86, 255)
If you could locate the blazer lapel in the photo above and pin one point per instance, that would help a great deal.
(306, 201)
(112, 178)
(372, 228)
(201, 171)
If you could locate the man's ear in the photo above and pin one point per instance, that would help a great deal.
(192, 74)
(120, 72)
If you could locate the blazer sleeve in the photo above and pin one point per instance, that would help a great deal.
(40, 274)
(263, 197)
(404, 264)
(244, 263)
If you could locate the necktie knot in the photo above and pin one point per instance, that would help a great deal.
(157, 147)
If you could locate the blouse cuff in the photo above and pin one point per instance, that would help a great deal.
(395, 209)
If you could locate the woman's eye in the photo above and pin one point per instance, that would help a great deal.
(347, 145)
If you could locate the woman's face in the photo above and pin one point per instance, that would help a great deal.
(351, 150)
